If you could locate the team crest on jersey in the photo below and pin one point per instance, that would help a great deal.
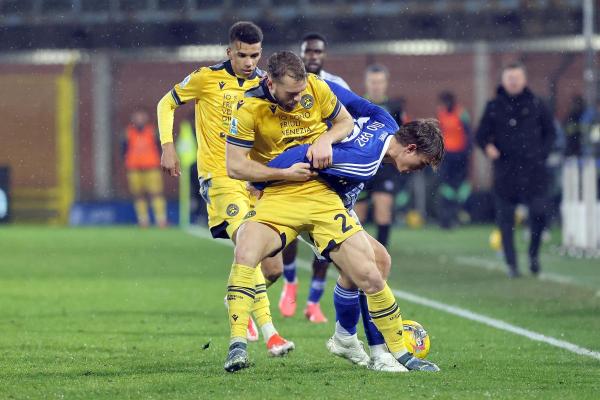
(240, 103)
(273, 108)
(185, 81)
(250, 214)
(307, 101)
(233, 128)
(233, 210)
(221, 85)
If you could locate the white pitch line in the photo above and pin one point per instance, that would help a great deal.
(491, 265)
(461, 312)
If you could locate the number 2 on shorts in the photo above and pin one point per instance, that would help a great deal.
(345, 226)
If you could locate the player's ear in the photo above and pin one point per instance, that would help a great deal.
(411, 148)
(229, 52)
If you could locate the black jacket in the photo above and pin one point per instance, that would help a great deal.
(522, 129)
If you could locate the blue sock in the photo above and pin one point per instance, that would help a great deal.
(317, 287)
(289, 272)
(347, 309)
(374, 337)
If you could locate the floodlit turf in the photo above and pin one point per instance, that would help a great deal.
(125, 313)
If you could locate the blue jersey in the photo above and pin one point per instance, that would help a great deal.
(358, 157)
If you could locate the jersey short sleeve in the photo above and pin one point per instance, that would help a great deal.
(326, 99)
(241, 128)
(191, 87)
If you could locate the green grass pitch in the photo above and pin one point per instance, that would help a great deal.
(127, 313)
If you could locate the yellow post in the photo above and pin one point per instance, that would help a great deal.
(65, 95)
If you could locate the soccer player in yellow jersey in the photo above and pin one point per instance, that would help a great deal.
(215, 90)
(288, 108)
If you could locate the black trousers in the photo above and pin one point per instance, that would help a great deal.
(505, 219)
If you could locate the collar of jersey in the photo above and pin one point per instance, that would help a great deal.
(261, 92)
(229, 69)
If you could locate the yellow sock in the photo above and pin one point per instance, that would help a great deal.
(159, 206)
(385, 313)
(141, 211)
(240, 298)
(261, 309)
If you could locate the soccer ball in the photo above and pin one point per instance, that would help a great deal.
(416, 338)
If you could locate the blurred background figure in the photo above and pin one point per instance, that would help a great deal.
(517, 133)
(314, 52)
(573, 127)
(454, 188)
(383, 189)
(142, 160)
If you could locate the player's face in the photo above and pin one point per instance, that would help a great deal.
(514, 81)
(287, 91)
(376, 84)
(313, 54)
(244, 57)
(409, 159)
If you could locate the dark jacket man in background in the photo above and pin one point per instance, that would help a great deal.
(517, 133)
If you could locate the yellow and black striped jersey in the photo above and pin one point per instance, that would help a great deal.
(259, 124)
(215, 90)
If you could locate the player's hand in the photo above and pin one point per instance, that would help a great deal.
(169, 161)
(492, 151)
(299, 172)
(320, 153)
(254, 191)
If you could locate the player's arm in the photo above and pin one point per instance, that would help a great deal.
(165, 111)
(239, 143)
(192, 87)
(239, 166)
(485, 133)
(320, 153)
(359, 107)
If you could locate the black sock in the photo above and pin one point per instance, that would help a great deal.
(383, 234)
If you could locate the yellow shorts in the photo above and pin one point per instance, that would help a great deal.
(145, 181)
(227, 203)
(310, 207)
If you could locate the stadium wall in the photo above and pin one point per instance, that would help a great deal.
(29, 106)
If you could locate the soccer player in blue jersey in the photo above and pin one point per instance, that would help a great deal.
(376, 138)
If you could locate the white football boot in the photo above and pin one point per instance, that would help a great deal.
(385, 362)
(349, 348)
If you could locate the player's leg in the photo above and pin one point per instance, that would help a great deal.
(537, 223)
(140, 205)
(227, 202)
(357, 259)
(317, 288)
(254, 242)
(276, 344)
(505, 219)
(361, 208)
(383, 204)
(344, 342)
(272, 268)
(287, 301)
(154, 187)
(447, 194)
